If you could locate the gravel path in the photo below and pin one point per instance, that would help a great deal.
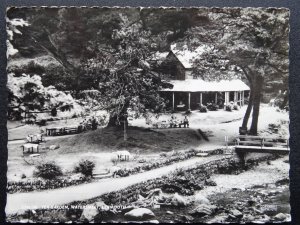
(38, 199)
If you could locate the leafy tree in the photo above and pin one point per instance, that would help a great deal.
(251, 41)
(48, 170)
(130, 83)
(13, 26)
(110, 47)
(86, 167)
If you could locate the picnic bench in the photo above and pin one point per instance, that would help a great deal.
(35, 138)
(30, 148)
(171, 124)
(161, 124)
(275, 145)
(70, 130)
(55, 131)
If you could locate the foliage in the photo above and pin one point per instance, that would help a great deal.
(48, 170)
(253, 44)
(228, 107)
(274, 128)
(236, 107)
(98, 45)
(54, 112)
(86, 167)
(212, 107)
(12, 29)
(115, 48)
(203, 109)
(27, 92)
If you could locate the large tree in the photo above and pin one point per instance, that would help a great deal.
(112, 47)
(127, 80)
(253, 41)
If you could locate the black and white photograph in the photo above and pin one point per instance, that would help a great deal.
(148, 115)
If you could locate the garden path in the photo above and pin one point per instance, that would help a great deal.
(50, 198)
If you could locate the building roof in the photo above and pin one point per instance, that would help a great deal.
(159, 55)
(187, 56)
(198, 85)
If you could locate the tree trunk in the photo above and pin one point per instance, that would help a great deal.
(248, 111)
(257, 92)
(113, 121)
(249, 74)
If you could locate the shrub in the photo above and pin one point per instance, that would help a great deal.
(41, 122)
(236, 107)
(212, 107)
(274, 128)
(163, 154)
(228, 108)
(203, 109)
(54, 112)
(85, 167)
(48, 170)
(188, 112)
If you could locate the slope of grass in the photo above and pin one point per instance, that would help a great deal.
(143, 139)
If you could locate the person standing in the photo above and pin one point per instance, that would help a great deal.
(186, 122)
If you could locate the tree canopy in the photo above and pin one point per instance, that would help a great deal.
(253, 42)
(111, 50)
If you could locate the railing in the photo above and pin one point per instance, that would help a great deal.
(276, 143)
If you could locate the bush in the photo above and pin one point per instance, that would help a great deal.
(85, 167)
(212, 107)
(163, 154)
(54, 112)
(48, 170)
(41, 122)
(228, 108)
(188, 112)
(274, 128)
(203, 109)
(236, 107)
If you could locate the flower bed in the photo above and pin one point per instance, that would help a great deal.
(41, 184)
(176, 157)
(170, 159)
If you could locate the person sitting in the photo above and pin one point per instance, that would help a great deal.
(186, 122)
(173, 121)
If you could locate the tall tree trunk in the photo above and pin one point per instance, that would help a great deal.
(114, 122)
(248, 111)
(257, 92)
(249, 74)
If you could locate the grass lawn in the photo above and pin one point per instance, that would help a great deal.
(13, 124)
(148, 143)
(18, 131)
